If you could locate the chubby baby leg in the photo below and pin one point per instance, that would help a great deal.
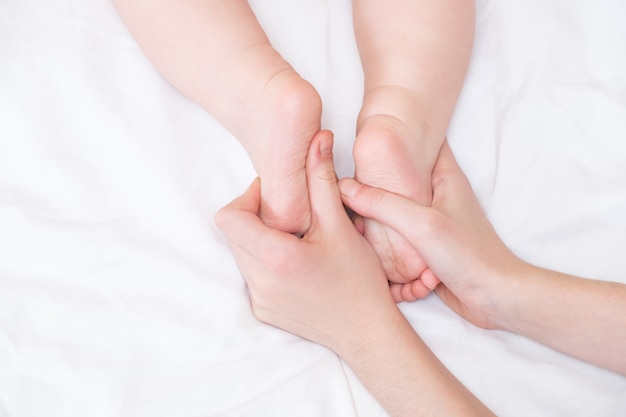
(217, 54)
(415, 55)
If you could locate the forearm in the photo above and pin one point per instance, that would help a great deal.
(403, 374)
(580, 317)
(423, 45)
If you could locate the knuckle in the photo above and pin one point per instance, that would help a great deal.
(376, 200)
(280, 261)
(326, 174)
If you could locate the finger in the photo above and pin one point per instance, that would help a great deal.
(242, 226)
(250, 200)
(322, 181)
(408, 218)
(446, 165)
(451, 188)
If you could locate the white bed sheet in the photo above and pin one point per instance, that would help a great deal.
(118, 297)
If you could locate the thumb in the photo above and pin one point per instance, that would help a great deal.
(326, 205)
(242, 226)
(249, 201)
(410, 219)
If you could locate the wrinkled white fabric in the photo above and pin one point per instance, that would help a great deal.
(118, 297)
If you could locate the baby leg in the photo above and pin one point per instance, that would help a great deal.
(415, 55)
(216, 53)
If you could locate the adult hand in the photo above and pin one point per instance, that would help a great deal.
(488, 285)
(329, 287)
(323, 286)
(453, 236)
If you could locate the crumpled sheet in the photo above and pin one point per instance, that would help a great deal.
(118, 296)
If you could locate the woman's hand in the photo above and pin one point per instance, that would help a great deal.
(488, 285)
(453, 236)
(327, 286)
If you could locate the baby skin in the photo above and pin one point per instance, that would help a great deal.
(217, 54)
(277, 136)
(392, 152)
(413, 78)
(414, 55)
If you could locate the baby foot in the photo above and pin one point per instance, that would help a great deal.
(286, 120)
(392, 151)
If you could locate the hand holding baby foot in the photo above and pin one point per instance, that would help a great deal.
(322, 286)
(453, 235)
(330, 288)
(484, 282)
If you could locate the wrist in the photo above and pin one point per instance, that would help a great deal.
(403, 374)
(378, 331)
(503, 301)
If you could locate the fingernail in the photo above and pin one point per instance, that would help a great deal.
(348, 187)
(326, 145)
